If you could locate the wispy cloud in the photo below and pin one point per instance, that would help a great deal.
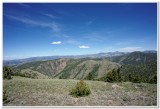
(91, 21)
(65, 36)
(142, 41)
(51, 16)
(63, 13)
(94, 36)
(72, 41)
(130, 49)
(108, 32)
(84, 46)
(52, 25)
(122, 43)
(56, 43)
(25, 5)
(108, 49)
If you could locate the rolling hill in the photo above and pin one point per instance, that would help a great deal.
(134, 67)
(136, 57)
(69, 68)
(138, 66)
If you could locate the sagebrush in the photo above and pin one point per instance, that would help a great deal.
(81, 89)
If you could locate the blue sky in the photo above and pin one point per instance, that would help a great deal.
(39, 29)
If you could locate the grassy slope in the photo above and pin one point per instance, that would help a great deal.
(55, 92)
(69, 68)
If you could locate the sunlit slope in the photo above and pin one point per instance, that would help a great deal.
(69, 68)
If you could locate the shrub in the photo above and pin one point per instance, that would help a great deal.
(90, 76)
(7, 72)
(113, 76)
(81, 89)
(93, 73)
(5, 97)
(27, 75)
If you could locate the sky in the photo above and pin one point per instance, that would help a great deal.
(49, 29)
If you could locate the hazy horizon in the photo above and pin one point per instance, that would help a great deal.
(56, 29)
(71, 55)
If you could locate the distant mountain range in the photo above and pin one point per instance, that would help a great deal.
(134, 66)
(44, 58)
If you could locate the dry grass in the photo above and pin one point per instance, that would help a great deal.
(38, 75)
(55, 92)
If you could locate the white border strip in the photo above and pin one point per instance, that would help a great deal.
(158, 52)
(78, 1)
(1, 54)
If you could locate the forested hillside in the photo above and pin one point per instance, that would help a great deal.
(69, 68)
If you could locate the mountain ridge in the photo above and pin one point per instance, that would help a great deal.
(132, 65)
(44, 58)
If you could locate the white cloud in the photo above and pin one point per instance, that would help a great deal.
(56, 43)
(83, 46)
(52, 25)
(131, 49)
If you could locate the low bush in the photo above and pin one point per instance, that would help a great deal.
(27, 75)
(5, 97)
(81, 89)
(7, 72)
